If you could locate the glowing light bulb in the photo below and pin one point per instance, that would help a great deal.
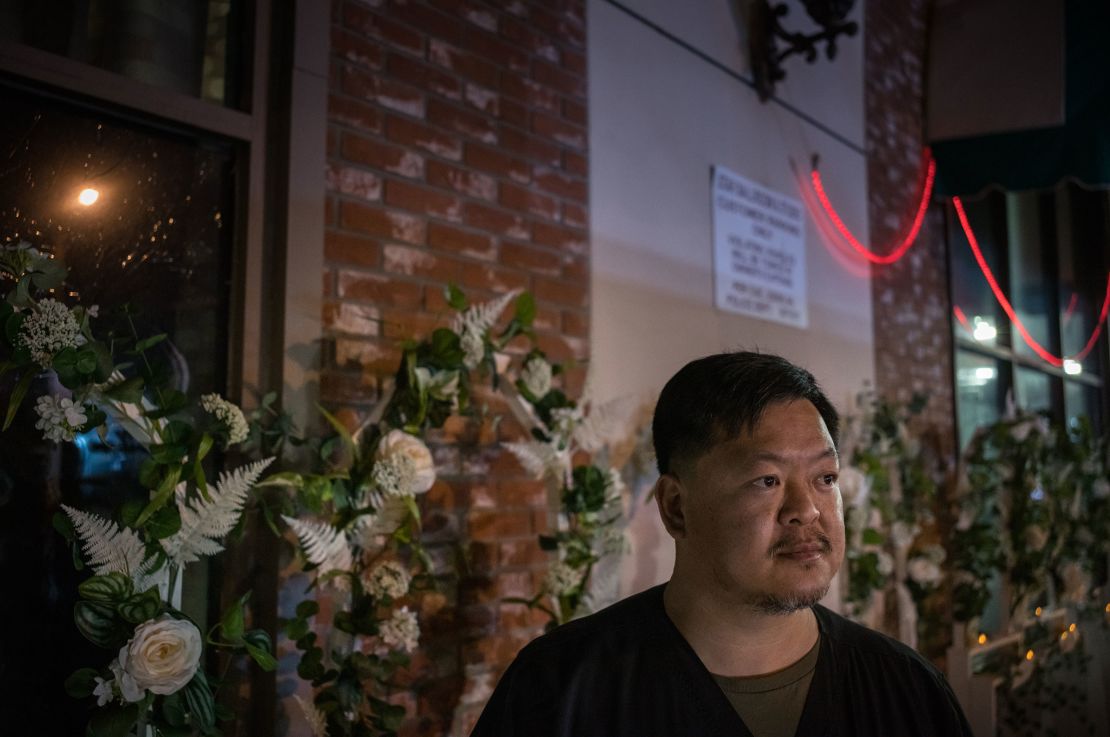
(1074, 368)
(982, 639)
(984, 330)
(88, 196)
(1071, 627)
(1037, 611)
(1063, 636)
(1028, 654)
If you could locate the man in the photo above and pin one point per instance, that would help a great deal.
(735, 643)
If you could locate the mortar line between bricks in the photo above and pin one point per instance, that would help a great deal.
(729, 71)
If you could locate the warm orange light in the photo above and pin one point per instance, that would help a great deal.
(1071, 627)
(88, 196)
(1063, 636)
(1028, 654)
(1037, 611)
(982, 639)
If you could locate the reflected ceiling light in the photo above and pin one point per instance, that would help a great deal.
(88, 196)
(985, 373)
(984, 330)
(1072, 367)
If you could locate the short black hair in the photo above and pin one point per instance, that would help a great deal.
(713, 398)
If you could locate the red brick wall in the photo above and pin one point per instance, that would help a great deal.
(457, 152)
(913, 339)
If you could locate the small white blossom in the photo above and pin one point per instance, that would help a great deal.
(48, 328)
(93, 311)
(388, 579)
(59, 417)
(536, 377)
(564, 420)
(561, 579)
(853, 485)
(394, 476)
(474, 348)
(229, 415)
(902, 534)
(104, 692)
(885, 565)
(924, 571)
(401, 631)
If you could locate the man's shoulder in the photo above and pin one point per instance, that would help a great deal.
(855, 640)
(626, 623)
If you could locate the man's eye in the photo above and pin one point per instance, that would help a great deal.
(829, 479)
(768, 481)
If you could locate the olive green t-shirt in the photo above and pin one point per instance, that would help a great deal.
(771, 705)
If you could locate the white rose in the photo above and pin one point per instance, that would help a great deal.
(398, 444)
(536, 376)
(162, 657)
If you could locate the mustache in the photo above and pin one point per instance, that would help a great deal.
(789, 543)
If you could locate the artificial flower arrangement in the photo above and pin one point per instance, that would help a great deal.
(357, 520)
(894, 557)
(591, 494)
(1032, 505)
(153, 673)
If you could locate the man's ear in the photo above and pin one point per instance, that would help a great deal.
(670, 497)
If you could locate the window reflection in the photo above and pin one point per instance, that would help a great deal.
(158, 235)
(180, 46)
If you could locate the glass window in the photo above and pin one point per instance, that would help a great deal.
(157, 234)
(1048, 252)
(980, 387)
(186, 47)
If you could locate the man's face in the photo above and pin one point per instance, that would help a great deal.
(764, 522)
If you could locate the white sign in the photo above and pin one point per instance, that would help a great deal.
(758, 250)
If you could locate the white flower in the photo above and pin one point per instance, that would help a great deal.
(561, 579)
(924, 571)
(856, 518)
(934, 553)
(564, 420)
(47, 329)
(853, 485)
(474, 348)
(388, 579)
(401, 631)
(104, 691)
(59, 417)
(93, 311)
(229, 415)
(885, 566)
(902, 534)
(536, 377)
(128, 690)
(442, 385)
(1036, 538)
(162, 657)
(404, 465)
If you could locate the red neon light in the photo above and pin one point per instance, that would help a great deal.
(962, 318)
(1072, 303)
(1008, 308)
(910, 237)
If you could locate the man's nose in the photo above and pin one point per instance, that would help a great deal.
(799, 506)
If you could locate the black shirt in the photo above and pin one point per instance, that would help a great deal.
(626, 671)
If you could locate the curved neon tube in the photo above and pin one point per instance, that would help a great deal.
(910, 237)
(1009, 309)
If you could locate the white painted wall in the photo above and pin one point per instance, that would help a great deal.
(660, 118)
